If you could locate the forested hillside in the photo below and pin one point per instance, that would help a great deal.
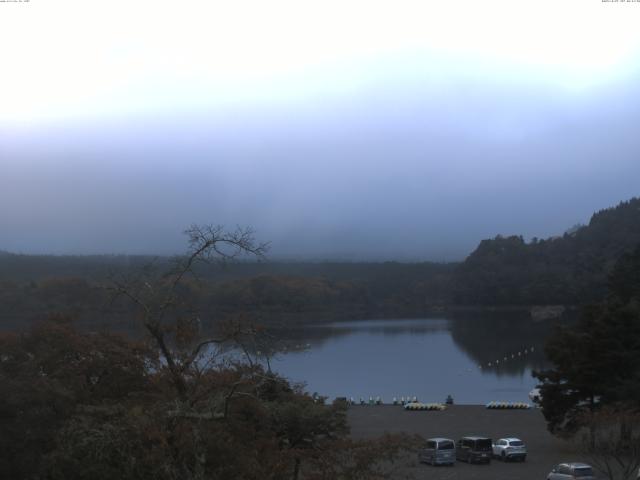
(506, 271)
(571, 269)
(33, 287)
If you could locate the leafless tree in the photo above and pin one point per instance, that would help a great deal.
(167, 318)
(611, 440)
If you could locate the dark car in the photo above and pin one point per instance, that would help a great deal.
(474, 449)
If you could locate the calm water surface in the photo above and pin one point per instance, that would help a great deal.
(427, 358)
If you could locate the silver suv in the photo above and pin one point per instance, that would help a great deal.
(510, 449)
(571, 471)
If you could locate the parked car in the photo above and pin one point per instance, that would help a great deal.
(510, 449)
(439, 451)
(566, 471)
(474, 449)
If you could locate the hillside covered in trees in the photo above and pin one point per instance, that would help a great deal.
(571, 269)
(506, 271)
(80, 287)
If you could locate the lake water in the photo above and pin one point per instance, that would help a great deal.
(476, 360)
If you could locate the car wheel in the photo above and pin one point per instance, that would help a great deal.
(523, 458)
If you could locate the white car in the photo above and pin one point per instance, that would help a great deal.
(570, 471)
(510, 449)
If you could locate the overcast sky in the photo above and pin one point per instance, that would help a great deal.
(347, 129)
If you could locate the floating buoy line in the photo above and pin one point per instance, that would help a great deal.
(507, 358)
(508, 405)
(425, 406)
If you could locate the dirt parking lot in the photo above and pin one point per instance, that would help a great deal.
(544, 450)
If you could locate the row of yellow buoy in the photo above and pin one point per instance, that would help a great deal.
(508, 405)
(424, 406)
(508, 357)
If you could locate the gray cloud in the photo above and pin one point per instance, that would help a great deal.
(395, 171)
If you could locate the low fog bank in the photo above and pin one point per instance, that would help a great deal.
(387, 175)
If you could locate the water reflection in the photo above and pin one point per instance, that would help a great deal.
(428, 358)
(502, 345)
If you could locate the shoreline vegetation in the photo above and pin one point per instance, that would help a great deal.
(542, 279)
(82, 400)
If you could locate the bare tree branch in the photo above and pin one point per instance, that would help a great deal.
(155, 297)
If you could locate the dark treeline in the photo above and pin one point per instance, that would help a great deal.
(32, 286)
(571, 269)
(597, 361)
(22, 268)
(591, 392)
(506, 271)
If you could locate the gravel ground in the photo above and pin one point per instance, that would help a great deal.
(544, 450)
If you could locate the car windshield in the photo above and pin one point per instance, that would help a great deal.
(516, 443)
(484, 444)
(583, 472)
(446, 445)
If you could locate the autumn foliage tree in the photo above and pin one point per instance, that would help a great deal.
(177, 405)
(47, 373)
